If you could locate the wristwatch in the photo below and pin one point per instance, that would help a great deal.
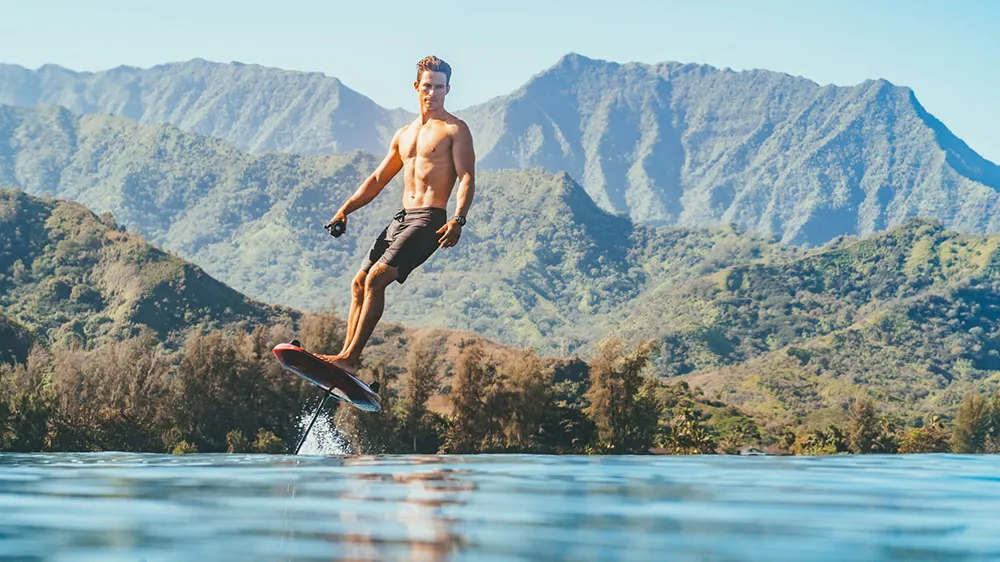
(460, 219)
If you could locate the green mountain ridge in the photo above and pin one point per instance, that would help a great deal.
(71, 279)
(910, 317)
(141, 351)
(69, 276)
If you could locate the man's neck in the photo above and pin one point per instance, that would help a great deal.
(427, 115)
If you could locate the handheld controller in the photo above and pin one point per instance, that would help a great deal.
(336, 228)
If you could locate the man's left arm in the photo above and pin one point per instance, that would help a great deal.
(464, 156)
(465, 168)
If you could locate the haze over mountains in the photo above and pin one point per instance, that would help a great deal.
(667, 144)
(253, 107)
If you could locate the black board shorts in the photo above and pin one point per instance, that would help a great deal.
(408, 241)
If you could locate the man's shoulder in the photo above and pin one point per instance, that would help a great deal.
(457, 125)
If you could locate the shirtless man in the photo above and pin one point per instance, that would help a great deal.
(433, 152)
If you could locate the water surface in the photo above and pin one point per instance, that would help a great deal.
(114, 506)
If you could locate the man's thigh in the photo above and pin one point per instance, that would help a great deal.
(409, 249)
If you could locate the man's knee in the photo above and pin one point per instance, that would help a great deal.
(379, 277)
(358, 285)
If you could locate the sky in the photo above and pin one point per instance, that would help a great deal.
(948, 52)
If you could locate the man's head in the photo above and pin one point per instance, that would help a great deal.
(433, 82)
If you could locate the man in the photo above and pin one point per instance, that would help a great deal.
(434, 151)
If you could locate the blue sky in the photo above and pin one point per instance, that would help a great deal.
(948, 52)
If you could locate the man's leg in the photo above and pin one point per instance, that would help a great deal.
(377, 280)
(357, 302)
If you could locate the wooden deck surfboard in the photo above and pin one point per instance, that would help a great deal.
(338, 382)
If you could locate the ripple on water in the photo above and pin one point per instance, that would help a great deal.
(109, 506)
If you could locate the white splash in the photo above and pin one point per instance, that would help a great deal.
(324, 439)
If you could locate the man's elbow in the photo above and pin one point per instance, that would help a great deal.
(374, 184)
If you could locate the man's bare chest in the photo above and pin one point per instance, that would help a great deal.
(425, 142)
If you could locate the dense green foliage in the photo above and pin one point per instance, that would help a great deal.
(16, 341)
(69, 276)
(623, 403)
(910, 318)
(513, 401)
(133, 395)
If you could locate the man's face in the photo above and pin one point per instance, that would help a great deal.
(432, 88)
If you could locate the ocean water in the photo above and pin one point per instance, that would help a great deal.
(116, 506)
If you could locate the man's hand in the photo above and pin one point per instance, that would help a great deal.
(452, 232)
(339, 217)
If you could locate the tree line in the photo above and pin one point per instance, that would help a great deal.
(975, 429)
(224, 391)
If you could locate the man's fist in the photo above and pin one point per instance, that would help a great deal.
(337, 225)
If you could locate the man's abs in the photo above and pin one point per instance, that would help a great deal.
(428, 166)
(432, 193)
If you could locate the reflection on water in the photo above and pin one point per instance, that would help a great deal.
(113, 506)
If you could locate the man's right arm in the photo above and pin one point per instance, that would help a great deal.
(373, 185)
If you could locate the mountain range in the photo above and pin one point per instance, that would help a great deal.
(908, 315)
(759, 226)
(667, 144)
(538, 265)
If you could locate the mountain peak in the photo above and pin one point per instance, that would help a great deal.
(573, 59)
(692, 145)
(575, 63)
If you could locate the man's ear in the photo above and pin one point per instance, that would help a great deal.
(416, 85)
(447, 89)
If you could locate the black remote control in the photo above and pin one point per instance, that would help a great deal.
(336, 228)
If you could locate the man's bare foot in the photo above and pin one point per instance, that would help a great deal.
(340, 361)
(346, 365)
